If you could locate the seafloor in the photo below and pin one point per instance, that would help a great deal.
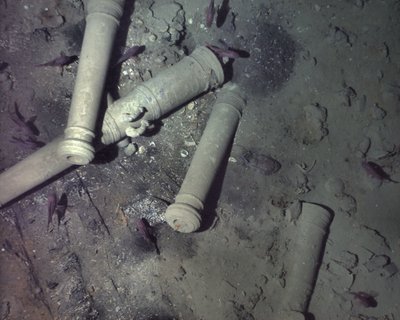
(323, 89)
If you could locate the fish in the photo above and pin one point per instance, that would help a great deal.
(26, 127)
(61, 208)
(365, 299)
(28, 142)
(210, 13)
(228, 53)
(27, 131)
(52, 201)
(60, 61)
(376, 171)
(222, 13)
(146, 232)
(129, 53)
(260, 162)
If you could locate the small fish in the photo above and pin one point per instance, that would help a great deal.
(28, 142)
(145, 230)
(61, 61)
(26, 127)
(260, 162)
(365, 299)
(52, 201)
(61, 208)
(376, 171)
(228, 53)
(129, 53)
(210, 13)
(27, 132)
(222, 13)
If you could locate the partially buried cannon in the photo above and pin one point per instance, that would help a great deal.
(195, 74)
(312, 232)
(185, 214)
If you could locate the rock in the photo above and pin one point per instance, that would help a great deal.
(256, 161)
(340, 36)
(313, 125)
(50, 17)
(166, 21)
(183, 153)
(261, 162)
(300, 182)
(363, 147)
(350, 95)
(375, 240)
(338, 276)
(385, 51)
(152, 37)
(142, 150)
(180, 273)
(390, 270)
(293, 211)
(130, 149)
(377, 112)
(376, 262)
(347, 260)
(348, 204)
(335, 186)
(315, 113)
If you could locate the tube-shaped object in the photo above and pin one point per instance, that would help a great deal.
(191, 76)
(35, 169)
(185, 214)
(313, 227)
(46, 162)
(102, 22)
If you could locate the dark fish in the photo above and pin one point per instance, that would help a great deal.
(29, 142)
(61, 61)
(27, 131)
(61, 208)
(26, 127)
(365, 299)
(210, 13)
(241, 53)
(228, 53)
(376, 171)
(222, 13)
(51, 207)
(129, 53)
(145, 230)
(260, 162)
